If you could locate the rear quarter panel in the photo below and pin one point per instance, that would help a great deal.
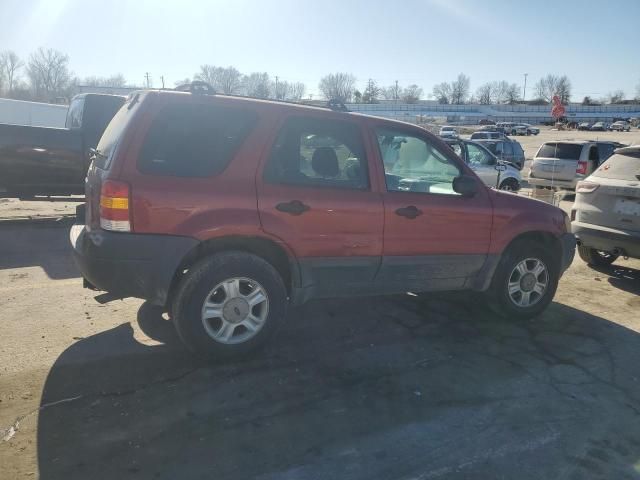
(199, 207)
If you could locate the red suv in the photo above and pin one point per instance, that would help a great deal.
(225, 210)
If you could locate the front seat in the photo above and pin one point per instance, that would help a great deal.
(325, 162)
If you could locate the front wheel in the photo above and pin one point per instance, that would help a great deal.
(524, 282)
(229, 304)
(509, 185)
(597, 258)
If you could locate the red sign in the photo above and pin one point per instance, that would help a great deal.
(557, 111)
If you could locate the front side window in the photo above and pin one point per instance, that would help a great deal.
(412, 164)
(194, 140)
(507, 148)
(321, 153)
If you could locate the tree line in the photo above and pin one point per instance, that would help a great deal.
(46, 76)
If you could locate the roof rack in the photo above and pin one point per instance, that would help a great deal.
(203, 88)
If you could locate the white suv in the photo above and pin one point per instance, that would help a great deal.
(620, 126)
(606, 214)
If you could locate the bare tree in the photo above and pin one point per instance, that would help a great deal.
(411, 94)
(257, 85)
(460, 89)
(225, 80)
(392, 92)
(48, 71)
(10, 63)
(485, 94)
(280, 89)
(337, 86)
(296, 91)
(552, 85)
(511, 93)
(615, 97)
(115, 81)
(442, 92)
(371, 93)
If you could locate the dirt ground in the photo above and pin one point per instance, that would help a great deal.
(403, 387)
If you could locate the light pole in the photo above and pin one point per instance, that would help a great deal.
(524, 90)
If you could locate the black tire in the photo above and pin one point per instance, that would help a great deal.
(595, 257)
(196, 287)
(509, 185)
(498, 294)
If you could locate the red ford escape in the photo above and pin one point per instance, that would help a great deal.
(225, 210)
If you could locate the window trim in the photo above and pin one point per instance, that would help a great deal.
(297, 120)
(426, 139)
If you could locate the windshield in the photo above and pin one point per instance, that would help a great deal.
(568, 151)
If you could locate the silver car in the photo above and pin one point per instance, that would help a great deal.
(606, 214)
(491, 170)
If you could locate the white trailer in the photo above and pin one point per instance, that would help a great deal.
(18, 112)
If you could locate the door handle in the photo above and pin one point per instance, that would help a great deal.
(410, 212)
(294, 207)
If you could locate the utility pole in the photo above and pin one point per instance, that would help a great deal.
(396, 92)
(524, 90)
(147, 79)
(162, 79)
(276, 92)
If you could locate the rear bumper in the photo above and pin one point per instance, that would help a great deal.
(607, 239)
(128, 264)
(558, 184)
(568, 242)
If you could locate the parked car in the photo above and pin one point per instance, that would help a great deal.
(492, 171)
(505, 126)
(584, 126)
(218, 209)
(562, 164)
(448, 132)
(531, 130)
(506, 150)
(50, 161)
(620, 126)
(519, 130)
(488, 135)
(486, 121)
(606, 213)
(598, 127)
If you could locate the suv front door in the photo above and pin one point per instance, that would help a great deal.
(434, 238)
(315, 195)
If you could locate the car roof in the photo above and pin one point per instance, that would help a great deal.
(630, 150)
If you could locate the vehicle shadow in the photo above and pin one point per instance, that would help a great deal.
(37, 243)
(622, 277)
(390, 387)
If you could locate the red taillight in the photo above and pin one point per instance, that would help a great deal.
(114, 206)
(586, 187)
(582, 168)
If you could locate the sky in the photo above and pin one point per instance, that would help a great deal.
(594, 42)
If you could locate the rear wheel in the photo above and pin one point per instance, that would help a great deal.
(598, 258)
(509, 185)
(229, 304)
(524, 282)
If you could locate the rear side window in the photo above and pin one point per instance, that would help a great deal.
(106, 145)
(605, 150)
(194, 140)
(312, 152)
(621, 167)
(568, 151)
(507, 148)
(479, 136)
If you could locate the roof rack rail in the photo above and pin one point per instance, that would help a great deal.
(196, 87)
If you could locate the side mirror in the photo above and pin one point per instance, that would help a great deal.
(492, 161)
(465, 185)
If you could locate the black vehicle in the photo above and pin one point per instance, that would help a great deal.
(584, 126)
(54, 161)
(507, 150)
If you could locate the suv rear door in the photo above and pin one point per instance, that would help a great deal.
(315, 195)
(556, 160)
(433, 237)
